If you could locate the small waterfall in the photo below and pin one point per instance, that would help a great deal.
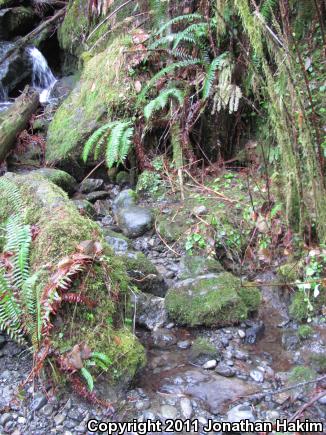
(42, 78)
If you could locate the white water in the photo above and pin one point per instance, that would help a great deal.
(42, 79)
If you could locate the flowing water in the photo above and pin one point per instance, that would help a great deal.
(42, 78)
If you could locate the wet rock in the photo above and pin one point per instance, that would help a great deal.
(255, 333)
(134, 221)
(38, 402)
(210, 365)
(122, 178)
(240, 412)
(225, 370)
(84, 207)
(150, 311)
(186, 407)
(239, 354)
(202, 351)
(199, 210)
(168, 411)
(144, 274)
(16, 21)
(118, 242)
(184, 344)
(102, 207)
(257, 375)
(216, 391)
(211, 300)
(163, 338)
(90, 185)
(63, 87)
(290, 340)
(126, 198)
(58, 177)
(191, 266)
(94, 196)
(241, 333)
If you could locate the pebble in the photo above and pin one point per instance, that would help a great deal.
(47, 410)
(59, 419)
(21, 420)
(225, 370)
(185, 344)
(240, 412)
(5, 418)
(210, 365)
(186, 407)
(257, 375)
(38, 402)
(241, 333)
(168, 411)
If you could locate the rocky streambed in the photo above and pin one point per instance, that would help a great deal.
(223, 373)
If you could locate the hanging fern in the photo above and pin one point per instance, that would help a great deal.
(210, 74)
(160, 102)
(167, 70)
(188, 18)
(118, 137)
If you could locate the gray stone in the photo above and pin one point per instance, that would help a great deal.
(90, 185)
(21, 420)
(290, 340)
(150, 311)
(257, 375)
(84, 207)
(241, 333)
(38, 402)
(126, 198)
(168, 411)
(239, 354)
(59, 419)
(199, 210)
(240, 412)
(184, 344)
(118, 242)
(225, 370)
(5, 418)
(210, 365)
(163, 338)
(255, 333)
(102, 207)
(186, 407)
(94, 196)
(47, 410)
(134, 221)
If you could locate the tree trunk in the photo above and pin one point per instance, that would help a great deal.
(15, 119)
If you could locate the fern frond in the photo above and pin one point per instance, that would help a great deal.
(210, 74)
(125, 144)
(9, 190)
(88, 378)
(167, 70)
(161, 101)
(162, 41)
(117, 140)
(99, 356)
(194, 32)
(267, 8)
(94, 139)
(177, 20)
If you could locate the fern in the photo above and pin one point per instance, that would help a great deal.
(210, 74)
(160, 102)
(267, 8)
(9, 190)
(177, 20)
(101, 358)
(88, 378)
(167, 70)
(117, 135)
(194, 32)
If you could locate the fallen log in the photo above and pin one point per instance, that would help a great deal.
(15, 120)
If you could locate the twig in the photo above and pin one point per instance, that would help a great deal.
(165, 243)
(94, 169)
(297, 414)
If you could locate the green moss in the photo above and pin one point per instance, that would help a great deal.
(318, 362)
(58, 177)
(202, 347)
(214, 300)
(289, 272)
(171, 231)
(299, 307)
(75, 27)
(305, 331)
(301, 374)
(103, 93)
(61, 229)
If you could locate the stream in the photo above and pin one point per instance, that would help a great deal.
(179, 381)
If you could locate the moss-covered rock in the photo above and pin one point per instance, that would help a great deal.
(61, 230)
(318, 362)
(58, 177)
(17, 21)
(144, 274)
(211, 300)
(103, 92)
(192, 266)
(202, 350)
(305, 331)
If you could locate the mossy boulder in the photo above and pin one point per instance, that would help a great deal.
(17, 21)
(144, 274)
(211, 300)
(118, 242)
(193, 265)
(103, 92)
(202, 350)
(58, 177)
(85, 208)
(61, 229)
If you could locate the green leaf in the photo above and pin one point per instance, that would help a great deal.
(88, 378)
